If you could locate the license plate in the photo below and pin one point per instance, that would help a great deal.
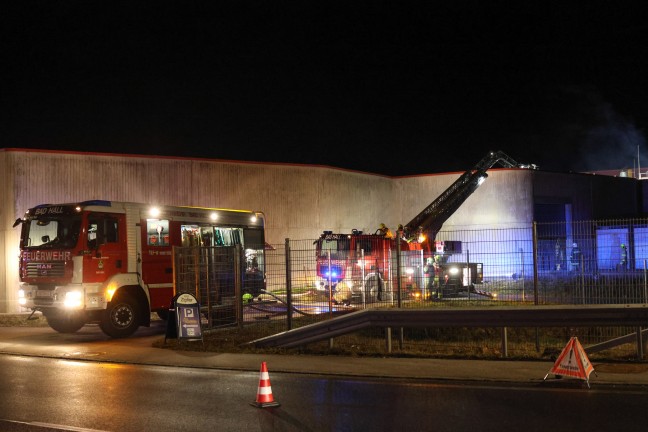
(47, 294)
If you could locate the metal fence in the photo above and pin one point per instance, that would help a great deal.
(588, 262)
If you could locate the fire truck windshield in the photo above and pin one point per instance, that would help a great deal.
(53, 232)
(337, 248)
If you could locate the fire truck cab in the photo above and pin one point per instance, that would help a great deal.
(357, 267)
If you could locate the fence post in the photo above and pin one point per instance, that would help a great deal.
(288, 287)
(504, 342)
(196, 257)
(399, 283)
(238, 284)
(645, 296)
(469, 274)
(535, 279)
(364, 281)
(421, 277)
(330, 294)
(522, 275)
(535, 263)
(398, 270)
(208, 252)
(330, 285)
(582, 277)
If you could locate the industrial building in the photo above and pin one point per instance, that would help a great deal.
(297, 201)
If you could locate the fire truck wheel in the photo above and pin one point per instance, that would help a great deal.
(66, 323)
(121, 318)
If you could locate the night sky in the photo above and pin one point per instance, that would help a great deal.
(393, 88)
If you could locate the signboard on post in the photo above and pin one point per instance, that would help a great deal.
(188, 316)
(185, 317)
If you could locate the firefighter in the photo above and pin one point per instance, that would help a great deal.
(437, 279)
(386, 231)
(342, 294)
(575, 257)
(623, 263)
(374, 285)
(429, 273)
(558, 255)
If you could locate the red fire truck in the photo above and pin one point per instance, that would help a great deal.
(111, 262)
(345, 261)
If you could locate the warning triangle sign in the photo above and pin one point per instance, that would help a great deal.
(572, 362)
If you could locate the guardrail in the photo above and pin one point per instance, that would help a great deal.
(635, 315)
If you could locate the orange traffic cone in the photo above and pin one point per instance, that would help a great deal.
(264, 397)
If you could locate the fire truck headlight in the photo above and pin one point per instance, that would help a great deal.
(453, 270)
(73, 299)
(409, 270)
(21, 297)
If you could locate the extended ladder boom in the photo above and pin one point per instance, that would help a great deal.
(432, 218)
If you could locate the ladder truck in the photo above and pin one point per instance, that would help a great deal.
(454, 277)
(346, 261)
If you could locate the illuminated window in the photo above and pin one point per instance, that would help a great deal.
(157, 232)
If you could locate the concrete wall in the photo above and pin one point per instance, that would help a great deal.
(299, 201)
